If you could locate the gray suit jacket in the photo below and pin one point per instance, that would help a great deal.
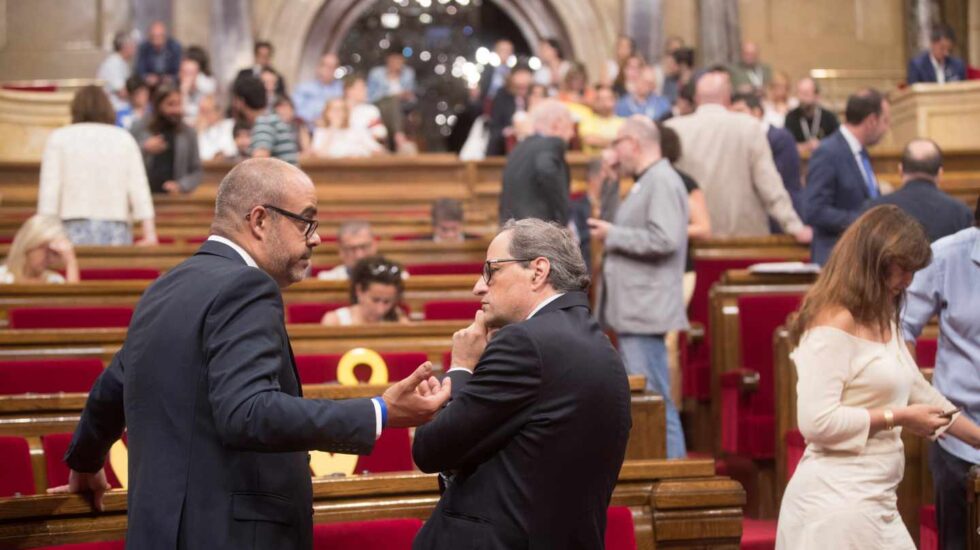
(641, 291)
(187, 160)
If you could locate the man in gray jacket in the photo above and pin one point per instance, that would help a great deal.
(641, 295)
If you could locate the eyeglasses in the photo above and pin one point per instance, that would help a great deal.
(311, 223)
(488, 270)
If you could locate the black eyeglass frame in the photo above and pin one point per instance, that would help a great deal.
(311, 223)
(487, 266)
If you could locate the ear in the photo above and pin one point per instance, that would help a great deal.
(541, 268)
(258, 222)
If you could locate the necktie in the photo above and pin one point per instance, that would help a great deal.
(869, 174)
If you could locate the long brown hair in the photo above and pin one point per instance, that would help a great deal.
(90, 104)
(158, 122)
(855, 275)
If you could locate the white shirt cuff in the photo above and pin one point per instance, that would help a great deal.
(377, 419)
(451, 369)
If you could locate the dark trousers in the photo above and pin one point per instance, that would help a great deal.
(949, 476)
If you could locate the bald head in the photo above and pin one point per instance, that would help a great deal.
(750, 53)
(251, 183)
(642, 129)
(714, 88)
(921, 159)
(637, 145)
(551, 118)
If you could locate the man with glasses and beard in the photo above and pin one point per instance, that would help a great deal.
(206, 386)
(531, 444)
(173, 164)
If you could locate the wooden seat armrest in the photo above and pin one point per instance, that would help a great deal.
(695, 334)
(746, 380)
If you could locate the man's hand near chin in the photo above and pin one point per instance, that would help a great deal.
(469, 343)
(94, 485)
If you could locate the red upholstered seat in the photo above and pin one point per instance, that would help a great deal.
(795, 446)
(696, 379)
(315, 270)
(412, 237)
(310, 313)
(16, 475)
(450, 309)
(925, 352)
(105, 545)
(54, 446)
(48, 375)
(748, 419)
(118, 273)
(382, 534)
(620, 533)
(758, 534)
(448, 268)
(392, 453)
(321, 369)
(928, 528)
(69, 317)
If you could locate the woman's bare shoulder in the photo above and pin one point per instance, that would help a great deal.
(836, 317)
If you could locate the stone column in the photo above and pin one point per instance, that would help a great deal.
(231, 39)
(146, 12)
(720, 34)
(643, 21)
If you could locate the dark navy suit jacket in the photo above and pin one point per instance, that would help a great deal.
(218, 431)
(834, 195)
(787, 159)
(534, 438)
(921, 69)
(939, 213)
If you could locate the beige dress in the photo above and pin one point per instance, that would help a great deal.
(842, 494)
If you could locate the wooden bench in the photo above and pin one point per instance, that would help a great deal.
(675, 504)
(418, 290)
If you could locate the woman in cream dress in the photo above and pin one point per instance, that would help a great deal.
(858, 389)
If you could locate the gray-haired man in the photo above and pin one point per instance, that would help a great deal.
(642, 296)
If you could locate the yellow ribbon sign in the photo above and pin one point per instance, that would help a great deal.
(362, 356)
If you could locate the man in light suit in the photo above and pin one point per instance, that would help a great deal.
(206, 386)
(642, 296)
(937, 63)
(532, 441)
(840, 177)
(730, 158)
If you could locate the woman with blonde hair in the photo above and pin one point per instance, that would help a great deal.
(858, 388)
(777, 101)
(38, 245)
(336, 138)
(93, 178)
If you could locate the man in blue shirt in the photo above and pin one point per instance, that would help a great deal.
(158, 59)
(310, 97)
(937, 64)
(641, 100)
(947, 288)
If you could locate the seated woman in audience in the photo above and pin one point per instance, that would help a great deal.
(778, 101)
(38, 245)
(336, 138)
(376, 287)
(92, 176)
(857, 384)
(215, 135)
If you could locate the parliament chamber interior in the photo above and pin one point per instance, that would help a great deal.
(424, 125)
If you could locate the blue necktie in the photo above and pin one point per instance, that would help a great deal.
(869, 174)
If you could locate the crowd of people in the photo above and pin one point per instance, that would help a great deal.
(712, 151)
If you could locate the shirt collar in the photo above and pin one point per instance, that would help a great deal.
(545, 302)
(711, 108)
(241, 251)
(852, 141)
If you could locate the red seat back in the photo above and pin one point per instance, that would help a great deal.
(448, 268)
(48, 375)
(381, 534)
(322, 369)
(620, 533)
(16, 474)
(310, 313)
(392, 453)
(69, 317)
(758, 318)
(925, 352)
(118, 273)
(450, 309)
(55, 446)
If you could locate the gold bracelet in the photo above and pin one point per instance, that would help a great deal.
(889, 419)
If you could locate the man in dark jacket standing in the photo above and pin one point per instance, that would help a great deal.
(536, 178)
(207, 389)
(531, 444)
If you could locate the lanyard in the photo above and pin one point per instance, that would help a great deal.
(811, 130)
(645, 109)
(755, 76)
